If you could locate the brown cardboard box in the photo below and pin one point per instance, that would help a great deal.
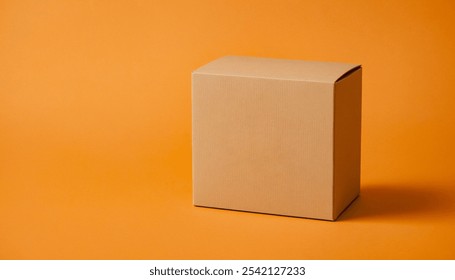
(276, 136)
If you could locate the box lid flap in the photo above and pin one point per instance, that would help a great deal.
(286, 69)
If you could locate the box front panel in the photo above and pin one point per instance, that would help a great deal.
(263, 145)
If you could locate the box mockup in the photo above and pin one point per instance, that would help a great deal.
(276, 136)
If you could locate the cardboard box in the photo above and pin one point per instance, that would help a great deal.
(276, 136)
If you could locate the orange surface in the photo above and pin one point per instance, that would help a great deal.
(95, 125)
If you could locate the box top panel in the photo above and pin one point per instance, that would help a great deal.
(283, 69)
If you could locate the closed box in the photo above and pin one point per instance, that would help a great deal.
(276, 136)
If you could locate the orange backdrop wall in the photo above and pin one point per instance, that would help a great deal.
(95, 128)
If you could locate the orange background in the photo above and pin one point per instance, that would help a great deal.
(95, 125)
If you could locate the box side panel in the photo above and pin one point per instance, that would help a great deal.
(263, 145)
(347, 127)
